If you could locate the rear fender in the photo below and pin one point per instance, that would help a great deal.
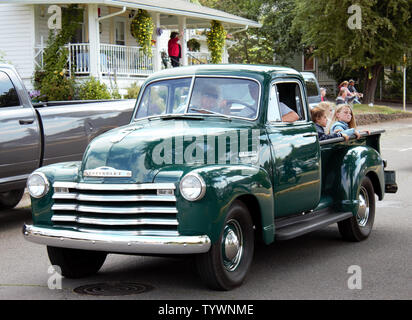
(357, 162)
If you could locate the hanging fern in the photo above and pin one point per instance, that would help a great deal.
(141, 29)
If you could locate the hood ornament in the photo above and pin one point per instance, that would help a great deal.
(107, 172)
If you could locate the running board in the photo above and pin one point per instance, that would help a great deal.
(295, 226)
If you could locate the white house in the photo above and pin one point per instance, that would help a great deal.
(103, 46)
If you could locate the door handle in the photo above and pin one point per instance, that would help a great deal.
(30, 121)
(312, 134)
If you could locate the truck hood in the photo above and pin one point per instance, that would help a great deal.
(140, 150)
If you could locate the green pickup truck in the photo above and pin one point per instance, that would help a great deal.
(207, 166)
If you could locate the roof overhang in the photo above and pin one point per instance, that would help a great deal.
(197, 16)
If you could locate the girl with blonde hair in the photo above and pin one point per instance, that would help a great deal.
(344, 121)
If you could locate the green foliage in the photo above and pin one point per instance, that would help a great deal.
(216, 41)
(132, 91)
(385, 34)
(193, 45)
(365, 109)
(93, 89)
(383, 38)
(394, 85)
(116, 94)
(276, 19)
(141, 29)
(52, 81)
(261, 45)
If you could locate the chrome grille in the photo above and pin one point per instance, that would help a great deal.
(133, 209)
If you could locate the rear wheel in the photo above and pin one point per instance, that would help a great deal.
(76, 263)
(226, 264)
(11, 198)
(359, 227)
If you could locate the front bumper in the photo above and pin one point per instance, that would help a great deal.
(117, 243)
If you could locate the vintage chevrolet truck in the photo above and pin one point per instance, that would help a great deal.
(207, 167)
(33, 135)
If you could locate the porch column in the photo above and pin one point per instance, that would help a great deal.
(183, 40)
(157, 63)
(94, 41)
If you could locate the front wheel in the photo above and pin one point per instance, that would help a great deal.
(359, 227)
(76, 263)
(226, 264)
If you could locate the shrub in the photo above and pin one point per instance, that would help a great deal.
(52, 81)
(93, 89)
(133, 91)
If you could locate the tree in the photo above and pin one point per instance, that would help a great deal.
(249, 46)
(274, 41)
(373, 34)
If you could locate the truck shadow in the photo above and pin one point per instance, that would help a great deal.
(14, 218)
(180, 275)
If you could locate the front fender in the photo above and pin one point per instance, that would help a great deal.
(64, 171)
(356, 163)
(224, 184)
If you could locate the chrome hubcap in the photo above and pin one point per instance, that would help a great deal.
(232, 245)
(362, 216)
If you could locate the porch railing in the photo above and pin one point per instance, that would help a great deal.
(79, 58)
(198, 57)
(124, 60)
(114, 59)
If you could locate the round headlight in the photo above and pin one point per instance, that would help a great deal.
(38, 185)
(192, 187)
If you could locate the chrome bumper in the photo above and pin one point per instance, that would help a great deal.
(117, 243)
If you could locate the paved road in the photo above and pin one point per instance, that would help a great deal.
(314, 266)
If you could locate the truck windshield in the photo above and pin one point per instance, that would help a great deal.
(214, 96)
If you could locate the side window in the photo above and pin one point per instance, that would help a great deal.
(154, 101)
(8, 94)
(164, 97)
(291, 99)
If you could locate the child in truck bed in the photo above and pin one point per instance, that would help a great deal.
(319, 118)
(344, 121)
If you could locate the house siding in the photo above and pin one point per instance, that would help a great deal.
(17, 38)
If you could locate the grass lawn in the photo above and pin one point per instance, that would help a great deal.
(364, 108)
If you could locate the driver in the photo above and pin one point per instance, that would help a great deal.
(209, 101)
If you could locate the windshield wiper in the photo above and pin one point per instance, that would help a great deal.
(206, 111)
(175, 116)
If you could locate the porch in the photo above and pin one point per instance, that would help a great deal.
(119, 60)
(104, 46)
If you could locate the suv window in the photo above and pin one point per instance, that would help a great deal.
(311, 87)
(8, 94)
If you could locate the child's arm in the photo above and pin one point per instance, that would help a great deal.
(338, 128)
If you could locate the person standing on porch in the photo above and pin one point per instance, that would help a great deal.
(174, 49)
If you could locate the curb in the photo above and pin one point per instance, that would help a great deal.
(369, 118)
